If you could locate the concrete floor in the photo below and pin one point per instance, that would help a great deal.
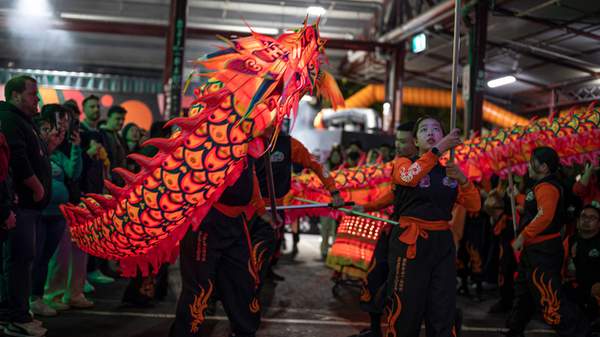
(302, 306)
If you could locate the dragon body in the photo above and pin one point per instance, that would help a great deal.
(254, 82)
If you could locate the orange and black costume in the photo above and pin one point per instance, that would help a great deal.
(286, 151)
(538, 284)
(503, 235)
(422, 269)
(218, 260)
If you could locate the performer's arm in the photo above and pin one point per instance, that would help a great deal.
(547, 196)
(468, 197)
(300, 155)
(407, 173)
(382, 202)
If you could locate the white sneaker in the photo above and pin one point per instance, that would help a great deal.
(57, 304)
(99, 278)
(30, 329)
(38, 307)
(80, 302)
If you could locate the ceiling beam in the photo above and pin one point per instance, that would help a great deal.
(547, 23)
(159, 30)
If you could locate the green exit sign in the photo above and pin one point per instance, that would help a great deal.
(418, 43)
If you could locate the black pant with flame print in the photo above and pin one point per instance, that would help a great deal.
(422, 288)
(264, 244)
(473, 248)
(373, 293)
(538, 288)
(216, 261)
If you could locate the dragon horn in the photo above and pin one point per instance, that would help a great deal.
(115, 190)
(103, 200)
(129, 177)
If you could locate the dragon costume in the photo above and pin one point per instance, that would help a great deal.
(254, 82)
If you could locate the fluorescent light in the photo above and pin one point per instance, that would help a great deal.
(34, 8)
(316, 11)
(498, 82)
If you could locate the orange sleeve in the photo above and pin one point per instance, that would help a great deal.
(300, 155)
(520, 199)
(469, 197)
(547, 197)
(407, 173)
(382, 202)
(257, 201)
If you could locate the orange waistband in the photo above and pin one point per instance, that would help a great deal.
(230, 211)
(415, 228)
(541, 238)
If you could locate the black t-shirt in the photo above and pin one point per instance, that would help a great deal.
(585, 254)
(432, 199)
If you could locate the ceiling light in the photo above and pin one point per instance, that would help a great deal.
(498, 82)
(316, 11)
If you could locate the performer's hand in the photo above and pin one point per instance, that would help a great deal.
(336, 199)
(454, 172)
(518, 243)
(358, 208)
(451, 140)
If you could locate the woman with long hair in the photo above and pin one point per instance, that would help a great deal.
(422, 270)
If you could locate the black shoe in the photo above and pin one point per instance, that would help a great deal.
(499, 307)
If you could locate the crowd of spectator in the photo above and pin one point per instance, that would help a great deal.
(48, 158)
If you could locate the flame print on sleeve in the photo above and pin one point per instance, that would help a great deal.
(198, 307)
(548, 299)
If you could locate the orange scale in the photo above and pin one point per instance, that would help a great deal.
(171, 180)
(213, 162)
(219, 133)
(216, 178)
(151, 199)
(133, 213)
(173, 216)
(195, 198)
(167, 205)
(194, 159)
(189, 184)
(170, 163)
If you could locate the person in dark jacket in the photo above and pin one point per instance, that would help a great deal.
(30, 164)
(95, 170)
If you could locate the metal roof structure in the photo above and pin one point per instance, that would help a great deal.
(552, 47)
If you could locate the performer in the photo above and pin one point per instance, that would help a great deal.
(498, 209)
(217, 258)
(286, 151)
(372, 298)
(582, 263)
(538, 284)
(422, 269)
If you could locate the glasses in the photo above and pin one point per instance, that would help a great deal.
(589, 217)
